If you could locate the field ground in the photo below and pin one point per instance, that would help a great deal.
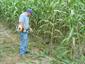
(9, 46)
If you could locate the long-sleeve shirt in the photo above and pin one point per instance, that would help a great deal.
(25, 21)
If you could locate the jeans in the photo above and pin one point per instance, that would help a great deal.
(23, 42)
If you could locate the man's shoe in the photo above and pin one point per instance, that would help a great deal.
(27, 52)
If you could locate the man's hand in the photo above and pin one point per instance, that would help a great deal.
(31, 30)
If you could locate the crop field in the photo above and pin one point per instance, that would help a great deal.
(58, 35)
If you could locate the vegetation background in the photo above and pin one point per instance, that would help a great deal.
(58, 26)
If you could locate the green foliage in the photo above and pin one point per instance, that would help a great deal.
(57, 22)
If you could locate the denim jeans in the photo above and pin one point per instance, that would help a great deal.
(23, 42)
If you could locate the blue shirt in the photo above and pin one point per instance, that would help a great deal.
(25, 20)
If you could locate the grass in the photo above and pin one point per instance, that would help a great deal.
(9, 50)
(9, 54)
(58, 25)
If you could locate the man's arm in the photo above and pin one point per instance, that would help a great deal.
(21, 23)
(21, 20)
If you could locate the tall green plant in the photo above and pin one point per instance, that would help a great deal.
(59, 23)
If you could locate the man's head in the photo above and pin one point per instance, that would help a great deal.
(29, 12)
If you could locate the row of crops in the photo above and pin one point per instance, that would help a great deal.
(60, 23)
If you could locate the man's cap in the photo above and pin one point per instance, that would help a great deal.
(29, 11)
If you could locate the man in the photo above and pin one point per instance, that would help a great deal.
(24, 30)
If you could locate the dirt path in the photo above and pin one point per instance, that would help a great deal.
(9, 50)
(6, 34)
